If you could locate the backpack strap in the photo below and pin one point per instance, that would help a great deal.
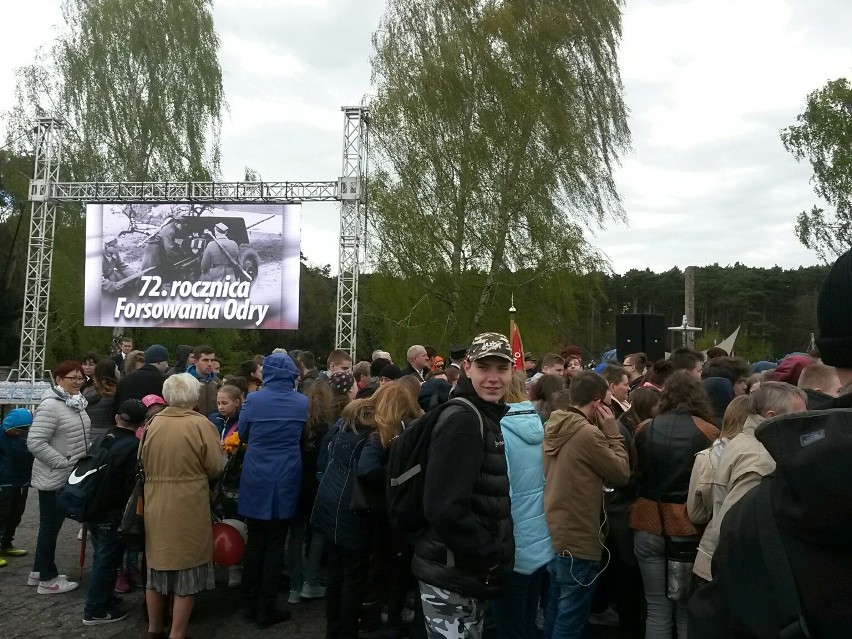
(472, 407)
(778, 565)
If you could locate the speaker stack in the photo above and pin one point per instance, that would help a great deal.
(640, 333)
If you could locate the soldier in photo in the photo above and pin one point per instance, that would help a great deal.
(115, 269)
(221, 256)
(163, 247)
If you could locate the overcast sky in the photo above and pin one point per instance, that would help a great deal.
(709, 85)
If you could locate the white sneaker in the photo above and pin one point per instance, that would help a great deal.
(235, 576)
(33, 579)
(294, 597)
(312, 592)
(57, 586)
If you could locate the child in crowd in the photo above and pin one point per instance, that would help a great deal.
(16, 464)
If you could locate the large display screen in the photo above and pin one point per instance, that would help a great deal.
(192, 265)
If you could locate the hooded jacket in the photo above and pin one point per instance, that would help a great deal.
(811, 495)
(523, 434)
(209, 388)
(468, 547)
(743, 464)
(271, 422)
(578, 458)
(16, 462)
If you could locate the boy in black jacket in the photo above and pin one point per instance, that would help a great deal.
(101, 605)
(467, 552)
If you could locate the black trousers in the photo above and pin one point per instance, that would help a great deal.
(347, 580)
(13, 502)
(262, 563)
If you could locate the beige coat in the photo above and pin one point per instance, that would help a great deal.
(578, 458)
(744, 463)
(181, 453)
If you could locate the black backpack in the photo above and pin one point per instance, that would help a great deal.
(409, 454)
(85, 495)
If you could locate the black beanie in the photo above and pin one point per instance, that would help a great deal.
(834, 314)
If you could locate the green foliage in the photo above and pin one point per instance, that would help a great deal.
(823, 136)
(496, 126)
(139, 85)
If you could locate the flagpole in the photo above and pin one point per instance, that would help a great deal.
(512, 317)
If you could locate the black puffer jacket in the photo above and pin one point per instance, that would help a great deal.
(469, 547)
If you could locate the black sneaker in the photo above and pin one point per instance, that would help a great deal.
(116, 614)
(274, 616)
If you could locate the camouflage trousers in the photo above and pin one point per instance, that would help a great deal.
(449, 615)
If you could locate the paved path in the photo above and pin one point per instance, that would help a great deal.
(217, 614)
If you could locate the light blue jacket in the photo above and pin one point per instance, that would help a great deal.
(523, 434)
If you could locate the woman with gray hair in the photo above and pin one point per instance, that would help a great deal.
(180, 454)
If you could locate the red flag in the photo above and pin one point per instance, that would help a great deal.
(517, 348)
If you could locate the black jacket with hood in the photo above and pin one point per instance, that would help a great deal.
(811, 494)
(469, 546)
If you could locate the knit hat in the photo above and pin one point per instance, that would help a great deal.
(156, 353)
(151, 400)
(341, 382)
(790, 368)
(834, 314)
(18, 418)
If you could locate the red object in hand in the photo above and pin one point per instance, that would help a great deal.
(228, 545)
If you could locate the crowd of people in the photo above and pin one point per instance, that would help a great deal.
(687, 496)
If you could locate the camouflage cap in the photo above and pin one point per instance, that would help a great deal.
(490, 345)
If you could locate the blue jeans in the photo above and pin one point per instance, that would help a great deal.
(572, 587)
(514, 613)
(106, 560)
(49, 523)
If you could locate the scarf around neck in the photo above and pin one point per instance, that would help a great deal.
(77, 402)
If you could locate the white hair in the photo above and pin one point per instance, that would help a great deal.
(182, 390)
(383, 354)
(279, 351)
(414, 351)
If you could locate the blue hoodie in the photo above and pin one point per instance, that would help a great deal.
(16, 461)
(523, 434)
(271, 421)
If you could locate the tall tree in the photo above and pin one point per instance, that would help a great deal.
(823, 136)
(139, 85)
(496, 126)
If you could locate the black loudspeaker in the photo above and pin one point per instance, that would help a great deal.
(640, 333)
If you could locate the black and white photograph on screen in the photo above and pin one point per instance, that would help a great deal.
(192, 265)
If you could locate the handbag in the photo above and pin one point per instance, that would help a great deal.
(131, 529)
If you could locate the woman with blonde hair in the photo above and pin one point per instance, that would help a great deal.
(704, 494)
(180, 454)
(133, 362)
(395, 407)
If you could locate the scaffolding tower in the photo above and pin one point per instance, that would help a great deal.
(46, 191)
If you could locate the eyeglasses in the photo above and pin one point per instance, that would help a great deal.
(76, 378)
(630, 367)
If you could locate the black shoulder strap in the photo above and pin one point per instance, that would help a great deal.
(778, 565)
(472, 407)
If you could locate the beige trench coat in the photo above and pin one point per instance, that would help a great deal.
(180, 454)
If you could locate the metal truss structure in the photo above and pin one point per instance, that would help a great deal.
(48, 154)
(352, 191)
(46, 191)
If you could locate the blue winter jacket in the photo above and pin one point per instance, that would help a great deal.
(16, 461)
(271, 422)
(523, 434)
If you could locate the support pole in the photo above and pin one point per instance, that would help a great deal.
(352, 190)
(48, 154)
(689, 305)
